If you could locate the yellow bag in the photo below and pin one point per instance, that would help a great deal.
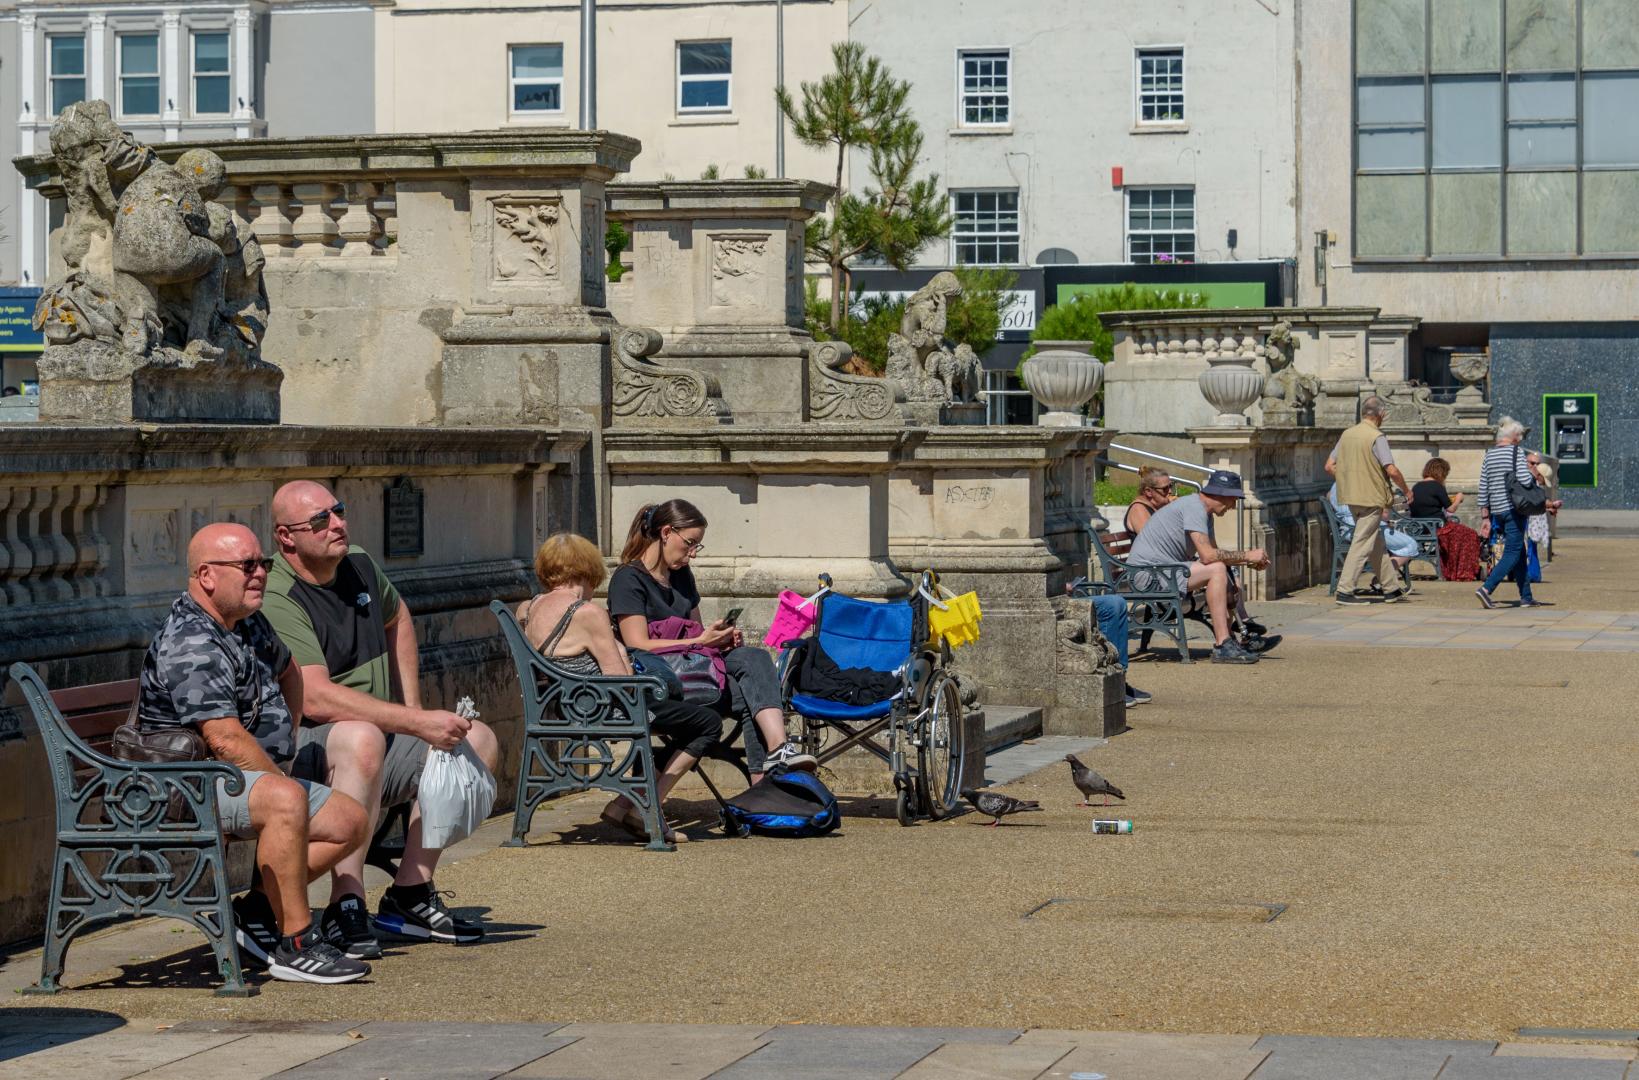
(954, 618)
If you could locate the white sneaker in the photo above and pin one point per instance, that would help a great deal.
(789, 756)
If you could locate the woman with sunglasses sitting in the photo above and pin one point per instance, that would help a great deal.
(1155, 490)
(568, 628)
(654, 586)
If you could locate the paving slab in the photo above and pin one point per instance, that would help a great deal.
(976, 1061)
(431, 1051)
(1305, 1057)
(1025, 758)
(624, 1051)
(1520, 1068)
(1124, 1055)
(251, 1057)
(825, 1052)
(1567, 1050)
(116, 1055)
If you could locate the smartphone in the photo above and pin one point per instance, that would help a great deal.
(733, 616)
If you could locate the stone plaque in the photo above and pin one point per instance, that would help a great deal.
(405, 520)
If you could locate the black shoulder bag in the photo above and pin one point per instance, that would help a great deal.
(1529, 500)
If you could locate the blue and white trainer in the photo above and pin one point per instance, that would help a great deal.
(424, 918)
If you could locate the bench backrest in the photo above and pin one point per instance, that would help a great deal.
(1341, 534)
(568, 705)
(93, 712)
(1111, 549)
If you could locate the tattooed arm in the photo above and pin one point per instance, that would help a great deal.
(1256, 558)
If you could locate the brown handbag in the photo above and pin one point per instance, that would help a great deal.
(131, 743)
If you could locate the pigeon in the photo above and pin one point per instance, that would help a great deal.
(997, 805)
(1089, 783)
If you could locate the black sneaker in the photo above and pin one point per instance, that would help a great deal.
(312, 959)
(1394, 596)
(425, 919)
(1253, 626)
(1231, 652)
(789, 755)
(254, 928)
(1135, 696)
(1344, 597)
(1260, 643)
(346, 925)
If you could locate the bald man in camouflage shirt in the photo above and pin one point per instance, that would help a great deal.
(217, 666)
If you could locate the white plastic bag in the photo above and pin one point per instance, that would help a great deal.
(457, 792)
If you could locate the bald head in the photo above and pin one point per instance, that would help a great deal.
(310, 529)
(223, 540)
(300, 500)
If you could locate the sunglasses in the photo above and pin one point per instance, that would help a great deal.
(247, 566)
(318, 522)
(1168, 490)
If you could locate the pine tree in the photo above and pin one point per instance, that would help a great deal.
(860, 106)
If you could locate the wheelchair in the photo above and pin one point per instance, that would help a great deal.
(918, 730)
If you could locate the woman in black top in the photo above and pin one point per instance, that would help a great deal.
(1428, 496)
(654, 582)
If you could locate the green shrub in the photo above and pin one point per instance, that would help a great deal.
(615, 239)
(1077, 319)
(866, 331)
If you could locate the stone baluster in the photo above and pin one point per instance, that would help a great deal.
(48, 548)
(90, 549)
(311, 226)
(8, 514)
(355, 226)
(267, 210)
(384, 208)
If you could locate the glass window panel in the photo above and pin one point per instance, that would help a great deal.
(1610, 34)
(1536, 145)
(1467, 122)
(1466, 35)
(67, 55)
(1389, 216)
(705, 57)
(985, 229)
(210, 53)
(1391, 101)
(1389, 36)
(1391, 149)
(65, 92)
(537, 97)
(210, 94)
(1609, 225)
(705, 94)
(1541, 35)
(1542, 97)
(1467, 214)
(985, 87)
(537, 61)
(139, 54)
(1542, 213)
(139, 96)
(1610, 118)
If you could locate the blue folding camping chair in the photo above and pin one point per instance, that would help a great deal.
(917, 730)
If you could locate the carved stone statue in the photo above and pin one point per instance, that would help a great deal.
(159, 280)
(1287, 392)
(930, 370)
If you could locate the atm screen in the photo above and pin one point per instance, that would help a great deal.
(1571, 439)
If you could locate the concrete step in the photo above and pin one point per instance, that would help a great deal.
(1008, 724)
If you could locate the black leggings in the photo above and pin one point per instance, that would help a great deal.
(685, 726)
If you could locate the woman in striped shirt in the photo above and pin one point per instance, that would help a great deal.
(1497, 512)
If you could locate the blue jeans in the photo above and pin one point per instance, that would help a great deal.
(1111, 612)
(1512, 566)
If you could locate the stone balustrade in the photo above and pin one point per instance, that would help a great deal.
(52, 547)
(350, 219)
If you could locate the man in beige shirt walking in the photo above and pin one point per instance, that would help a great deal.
(1364, 468)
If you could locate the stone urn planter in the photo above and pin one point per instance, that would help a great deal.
(1470, 369)
(1230, 384)
(1063, 376)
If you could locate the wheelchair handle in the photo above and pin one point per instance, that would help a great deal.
(825, 579)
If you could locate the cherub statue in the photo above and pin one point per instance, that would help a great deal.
(918, 358)
(1287, 392)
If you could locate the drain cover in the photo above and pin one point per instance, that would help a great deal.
(1104, 909)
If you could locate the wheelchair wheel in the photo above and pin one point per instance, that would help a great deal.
(941, 750)
(904, 807)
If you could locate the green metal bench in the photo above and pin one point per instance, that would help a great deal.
(120, 852)
(1163, 608)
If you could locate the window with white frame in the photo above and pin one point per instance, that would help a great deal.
(1160, 225)
(986, 88)
(138, 63)
(211, 92)
(985, 227)
(704, 71)
(535, 73)
(65, 60)
(1161, 86)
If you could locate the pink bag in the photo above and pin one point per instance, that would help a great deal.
(792, 617)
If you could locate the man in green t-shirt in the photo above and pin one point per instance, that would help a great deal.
(366, 733)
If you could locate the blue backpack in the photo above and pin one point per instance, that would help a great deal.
(784, 803)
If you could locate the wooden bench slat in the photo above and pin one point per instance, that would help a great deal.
(108, 695)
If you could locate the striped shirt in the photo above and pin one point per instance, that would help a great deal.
(1494, 478)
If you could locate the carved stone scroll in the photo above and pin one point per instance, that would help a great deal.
(835, 396)
(644, 389)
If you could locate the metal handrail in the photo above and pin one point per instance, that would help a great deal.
(1240, 504)
(1124, 467)
(1160, 457)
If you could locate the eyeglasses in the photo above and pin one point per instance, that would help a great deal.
(246, 566)
(318, 522)
(691, 547)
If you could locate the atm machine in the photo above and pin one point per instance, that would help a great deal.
(1570, 423)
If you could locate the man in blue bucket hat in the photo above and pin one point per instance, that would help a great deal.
(1181, 532)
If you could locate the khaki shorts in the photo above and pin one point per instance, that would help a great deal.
(400, 772)
(234, 810)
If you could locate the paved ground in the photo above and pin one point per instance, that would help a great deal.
(89, 1049)
(1345, 840)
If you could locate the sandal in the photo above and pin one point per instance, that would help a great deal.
(635, 825)
(623, 822)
